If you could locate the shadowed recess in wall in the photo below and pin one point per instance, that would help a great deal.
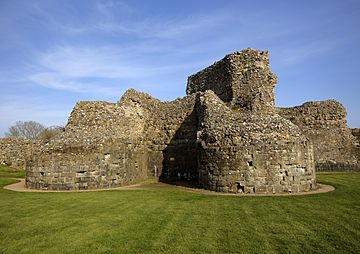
(180, 155)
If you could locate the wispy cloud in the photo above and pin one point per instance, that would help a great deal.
(290, 55)
(88, 69)
(54, 80)
(107, 7)
(108, 19)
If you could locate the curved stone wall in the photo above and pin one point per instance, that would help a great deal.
(241, 152)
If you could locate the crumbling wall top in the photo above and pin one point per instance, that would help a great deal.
(242, 78)
(225, 126)
(317, 114)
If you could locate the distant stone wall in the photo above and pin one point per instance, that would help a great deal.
(14, 151)
(324, 122)
(356, 133)
(242, 78)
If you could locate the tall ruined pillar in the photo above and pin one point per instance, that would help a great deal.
(242, 79)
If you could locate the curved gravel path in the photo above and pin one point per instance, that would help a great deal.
(20, 187)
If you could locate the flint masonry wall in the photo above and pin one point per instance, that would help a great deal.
(14, 151)
(356, 133)
(99, 148)
(244, 152)
(324, 122)
(114, 144)
(242, 78)
(245, 145)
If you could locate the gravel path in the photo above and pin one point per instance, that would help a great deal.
(20, 187)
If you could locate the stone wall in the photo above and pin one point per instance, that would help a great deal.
(356, 133)
(251, 153)
(14, 151)
(324, 122)
(242, 78)
(113, 144)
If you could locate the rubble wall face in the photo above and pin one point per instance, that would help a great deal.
(251, 153)
(114, 164)
(14, 151)
(324, 122)
(113, 144)
(101, 147)
(356, 133)
(243, 79)
(273, 168)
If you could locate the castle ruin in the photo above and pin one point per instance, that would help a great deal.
(224, 135)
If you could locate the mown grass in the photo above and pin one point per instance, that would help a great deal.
(7, 172)
(176, 221)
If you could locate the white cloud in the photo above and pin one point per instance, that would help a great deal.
(107, 7)
(294, 55)
(97, 70)
(287, 55)
(55, 81)
(155, 27)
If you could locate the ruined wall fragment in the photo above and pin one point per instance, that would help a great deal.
(242, 79)
(356, 133)
(324, 122)
(251, 153)
(113, 144)
(14, 151)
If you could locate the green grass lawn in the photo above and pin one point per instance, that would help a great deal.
(7, 172)
(176, 221)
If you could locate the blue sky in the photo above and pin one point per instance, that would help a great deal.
(54, 53)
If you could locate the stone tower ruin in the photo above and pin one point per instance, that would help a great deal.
(224, 135)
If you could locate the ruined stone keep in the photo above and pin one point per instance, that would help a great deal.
(224, 135)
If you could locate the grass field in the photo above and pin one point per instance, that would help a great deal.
(176, 221)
